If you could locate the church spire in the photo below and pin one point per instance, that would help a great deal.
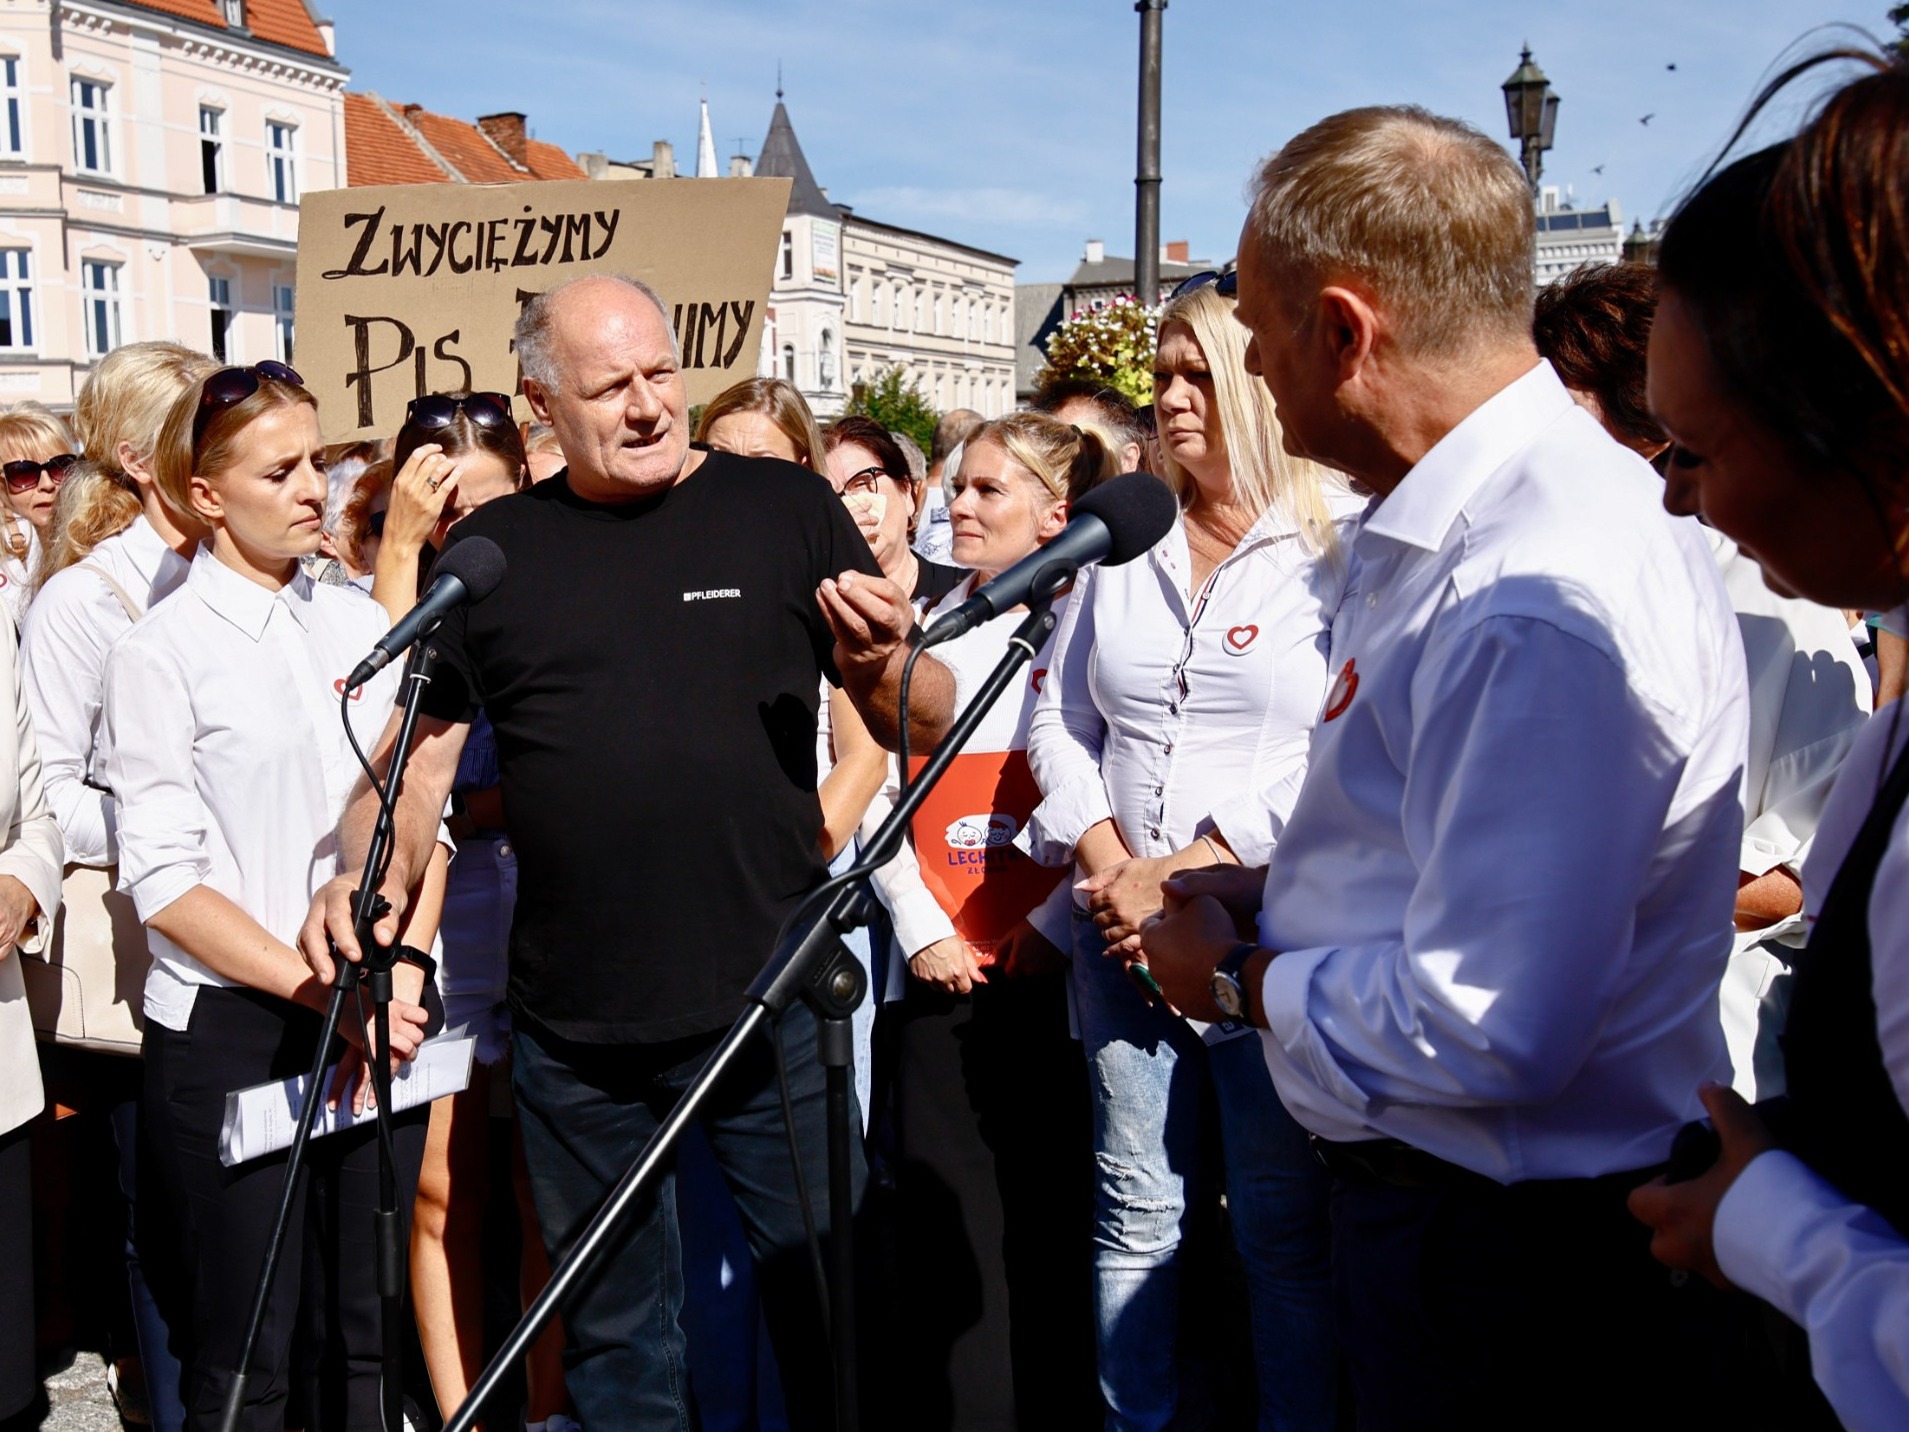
(706, 148)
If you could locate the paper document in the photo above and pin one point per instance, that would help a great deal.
(262, 1119)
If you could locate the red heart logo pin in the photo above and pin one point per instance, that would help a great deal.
(1343, 690)
(1040, 680)
(357, 692)
(1240, 637)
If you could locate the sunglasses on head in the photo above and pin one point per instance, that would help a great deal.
(1226, 285)
(231, 386)
(25, 474)
(440, 410)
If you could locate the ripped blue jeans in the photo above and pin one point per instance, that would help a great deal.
(1149, 1072)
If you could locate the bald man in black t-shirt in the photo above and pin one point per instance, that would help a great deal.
(651, 665)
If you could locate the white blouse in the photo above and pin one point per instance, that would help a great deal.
(1178, 712)
(69, 628)
(223, 745)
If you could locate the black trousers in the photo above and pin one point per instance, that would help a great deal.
(989, 1219)
(1463, 1303)
(19, 1374)
(237, 1038)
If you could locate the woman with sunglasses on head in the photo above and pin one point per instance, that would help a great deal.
(36, 455)
(1779, 369)
(224, 749)
(455, 453)
(114, 549)
(1178, 743)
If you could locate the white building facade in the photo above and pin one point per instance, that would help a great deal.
(853, 297)
(1569, 237)
(150, 168)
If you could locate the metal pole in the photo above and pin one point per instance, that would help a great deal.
(1146, 226)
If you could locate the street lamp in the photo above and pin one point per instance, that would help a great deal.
(1532, 107)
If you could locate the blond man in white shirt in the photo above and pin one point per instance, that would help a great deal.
(1487, 949)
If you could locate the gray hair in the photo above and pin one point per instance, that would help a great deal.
(1434, 215)
(531, 337)
(911, 450)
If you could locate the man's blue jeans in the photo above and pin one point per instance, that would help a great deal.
(1149, 1072)
(586, 1112)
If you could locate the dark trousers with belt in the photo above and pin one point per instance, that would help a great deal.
(237, 1038)
(1464, 1303)
(586, 1111)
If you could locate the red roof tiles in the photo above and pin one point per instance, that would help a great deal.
(549, 162)
(280, 22)
(379, 151)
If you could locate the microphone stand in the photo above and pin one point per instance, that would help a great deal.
(811, 964)
(374, 972)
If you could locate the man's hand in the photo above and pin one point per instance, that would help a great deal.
(1241, 889)
(18, 910)
(948, 964)
(1182, 945)
(352, 1076)
(1683, 1216)
(871, 620)
(330, 918)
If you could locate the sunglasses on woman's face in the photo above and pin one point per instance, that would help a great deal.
(231, 386)
(25, 475)
(440, 410)
(1226, 285)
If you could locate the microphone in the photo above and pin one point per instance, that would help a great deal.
(1113, 523)
(469, 571)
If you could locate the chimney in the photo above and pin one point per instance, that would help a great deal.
(327, 33)
(1096, 252)
(1176, 251)
(662, 160)
(740, 167)
(506, 131)
(411, 111)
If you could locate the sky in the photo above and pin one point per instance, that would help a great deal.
(1009, 124)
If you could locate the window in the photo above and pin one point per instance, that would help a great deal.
(16, 299)
(92, 127)
(788, 362)
(788, 254)
(283, 302)
(280, 165)
(211, 150)
(10, 92)
(221, 317)
(99, 288)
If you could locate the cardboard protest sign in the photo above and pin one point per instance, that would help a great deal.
(411, 289)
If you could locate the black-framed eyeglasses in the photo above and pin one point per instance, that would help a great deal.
(231, 386)
(24, 475)
(865, 483)
(440, 410)
(1226, 283)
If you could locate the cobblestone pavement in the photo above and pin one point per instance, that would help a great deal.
(78, 1399)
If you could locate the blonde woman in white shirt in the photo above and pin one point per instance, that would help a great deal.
(113, 549)
(36, 454)
(1171, 734)
(225, 751)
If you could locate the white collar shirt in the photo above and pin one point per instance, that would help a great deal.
(224, 746)
(1177, 713)
(70, 627)
(1502, 901)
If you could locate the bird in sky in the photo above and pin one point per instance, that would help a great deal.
(1648, 118)
(1670, 66)
(1597, 169)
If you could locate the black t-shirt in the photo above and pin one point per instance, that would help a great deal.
(652, 672)
(934, 581)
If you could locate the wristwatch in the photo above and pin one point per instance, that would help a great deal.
(1229, 991)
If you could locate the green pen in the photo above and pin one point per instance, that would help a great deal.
(1143, 977)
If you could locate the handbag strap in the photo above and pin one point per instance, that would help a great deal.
(133, 612)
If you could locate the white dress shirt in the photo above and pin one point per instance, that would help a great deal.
(1196, 711)
(1833, 1267)
(70, 627)
(1503, 898)
(30, 852)
(224, 747)
(1809, 697)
